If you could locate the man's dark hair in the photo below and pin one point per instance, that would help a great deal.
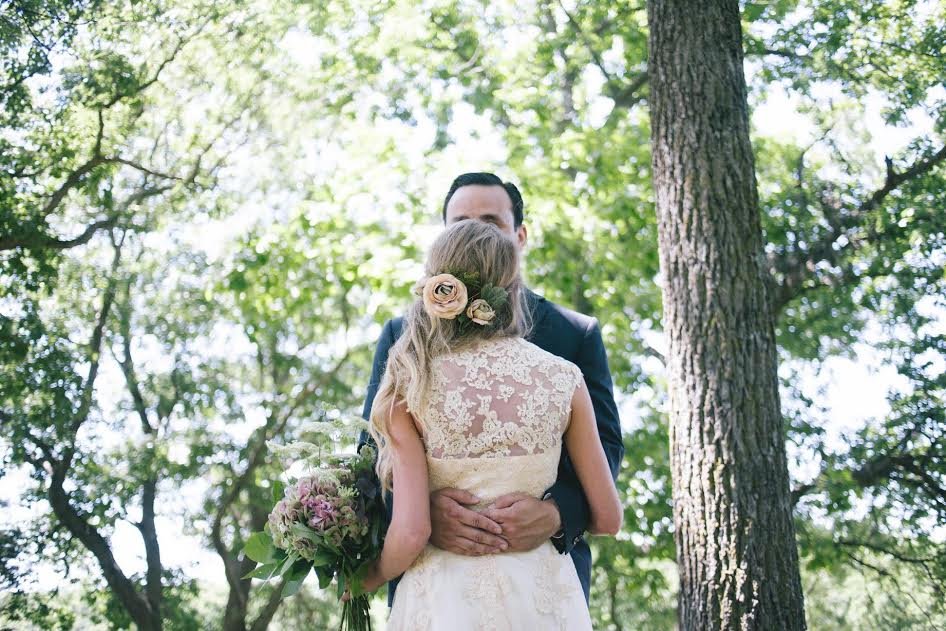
(488, 179)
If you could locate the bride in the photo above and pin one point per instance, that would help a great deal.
(467, 402)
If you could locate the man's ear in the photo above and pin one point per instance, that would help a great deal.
(522, 236)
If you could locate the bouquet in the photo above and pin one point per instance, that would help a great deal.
(329, 520)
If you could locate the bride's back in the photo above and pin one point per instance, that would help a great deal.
(494, 417)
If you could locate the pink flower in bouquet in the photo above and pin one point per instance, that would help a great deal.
(321, 510)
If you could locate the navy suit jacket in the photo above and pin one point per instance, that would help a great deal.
(577, 338)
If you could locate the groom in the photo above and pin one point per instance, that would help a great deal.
(517, 521)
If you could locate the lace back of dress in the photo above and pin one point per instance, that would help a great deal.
(503, 397)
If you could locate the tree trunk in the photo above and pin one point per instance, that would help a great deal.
(734, 534)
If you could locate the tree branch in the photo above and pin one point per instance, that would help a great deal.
(884, 550)
(95, 349)
(144, 169)
(138, 608)
(798, 266)
(599, 62)
(154, 79)
(123, 588)
(127, 364)
(146, 526)
(38, 241)
(624, 94)
(261, 623)
(628, 96)
(149, 536)
(97, 157)
(71, 182)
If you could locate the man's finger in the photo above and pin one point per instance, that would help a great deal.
(507, 500)
(472, 518)
(482, 522)
(493, 514)
(471, 548)
(482, 537)
(501, 515)
(459, 495)
(473, 543)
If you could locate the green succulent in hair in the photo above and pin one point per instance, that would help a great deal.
(497, 297)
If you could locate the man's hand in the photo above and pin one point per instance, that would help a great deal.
(526, 521)
(456, 528)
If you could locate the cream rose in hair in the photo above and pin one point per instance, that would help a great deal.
(480, 312)
(444, 296)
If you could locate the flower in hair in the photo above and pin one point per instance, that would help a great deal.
(480, 311)
(460, 295)
(445, 296)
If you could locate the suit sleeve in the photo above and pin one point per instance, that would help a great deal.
(567, 491)
(377, 371)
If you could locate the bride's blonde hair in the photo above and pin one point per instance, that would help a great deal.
(466, 247)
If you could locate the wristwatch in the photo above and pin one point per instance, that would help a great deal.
(561, 530)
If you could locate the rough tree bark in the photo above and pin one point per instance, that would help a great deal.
(734, 535)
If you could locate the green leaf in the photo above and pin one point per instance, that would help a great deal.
(265, 571)
(259, 547)
(300, 568)
(287, 564)
(279, 490)
(325, 576)
(306, 533)
(321, 558)
(291, 587)
(296, 576)
(356, 580)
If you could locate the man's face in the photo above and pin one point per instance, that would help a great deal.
(485, 203)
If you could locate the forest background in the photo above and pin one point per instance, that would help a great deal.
(207, 210)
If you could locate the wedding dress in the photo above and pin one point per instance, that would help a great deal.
(493, 424)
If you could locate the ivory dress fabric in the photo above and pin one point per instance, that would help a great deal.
(494, 420)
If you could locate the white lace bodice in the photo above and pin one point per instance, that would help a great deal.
(494, 417)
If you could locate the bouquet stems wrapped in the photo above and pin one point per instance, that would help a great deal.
(328, 520)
